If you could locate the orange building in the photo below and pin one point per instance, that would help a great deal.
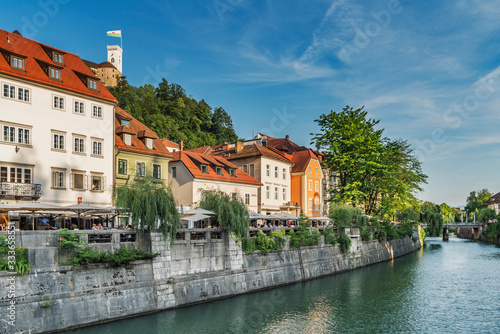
(306, 175)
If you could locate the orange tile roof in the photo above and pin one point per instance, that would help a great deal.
(169, 143)
(138, 145)
(193, 160)
(250, 151)
(201, 150)
(35, 54)
(301, 160)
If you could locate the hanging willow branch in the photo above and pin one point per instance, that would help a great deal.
(231, 213)
(149, 203)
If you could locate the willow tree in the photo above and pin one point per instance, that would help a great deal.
(149, 203)
(232, 214)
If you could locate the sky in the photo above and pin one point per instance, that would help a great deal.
(428, 70)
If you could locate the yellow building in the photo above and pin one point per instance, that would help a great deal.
(139, 151)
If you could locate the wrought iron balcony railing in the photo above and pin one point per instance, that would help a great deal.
(20, 190)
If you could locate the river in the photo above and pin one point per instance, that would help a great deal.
(446, 287)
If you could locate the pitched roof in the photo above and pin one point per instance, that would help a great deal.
(36, 56)
(493, 199)
(193, 160)
(201, 150)
(284, 145)
(90, 64)
(138, 145)
(169, 143)
(249, 151)
(106, 64)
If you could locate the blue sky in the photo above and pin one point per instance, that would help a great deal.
(429, 70)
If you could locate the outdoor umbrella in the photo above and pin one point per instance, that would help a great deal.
(200, 211)
(35, 207)
(5, 207)
(285, 216)
(255, 215)
(195, 218)
(84, 208)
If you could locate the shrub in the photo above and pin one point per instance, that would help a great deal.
(330, 236)
(264, 243)
(366, 233)
(302, 236)
(346, 215)
(345, 242)
(21, 264)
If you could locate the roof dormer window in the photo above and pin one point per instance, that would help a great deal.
(55, 73)
(127, 139)
(125, 122)
(92, 84)
(58, 58)
(218, 170)
(149, 143)
(232, 172)
(204, 169)
(17, 63)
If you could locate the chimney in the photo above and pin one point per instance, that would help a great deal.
(239, 146)
(181, 145)
(287, 136)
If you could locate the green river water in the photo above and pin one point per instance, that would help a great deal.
(446, 287)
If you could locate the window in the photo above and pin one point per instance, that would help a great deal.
(234, 195)
(310, 204)
(316, 186)
(97, 147)
(58, 141)
(316, 204)
(276, 172)
(125, 122)
(204, 169)
(268, 170)
(127, 139)
(252, 170)
(92, 84)
(79, 108)
(284, 173)
(174, 172)
(310, 169)
(149, 143)
(284, 194)
(79, 145)
(122, 167)
(58, 58)
(58, 102)
(27, 175)
(15, 175)
(3, 174)
(16, 135)
(218, 170)
(140, 169)
(316, 170)
(17, 63)
(55, 73)
(9, 91)
(267, 192)
(245, 168)
(276, 193)
(232, 172)
(58, 178)
(97, 111)
(310, 185)
(156, 171)
(97, 183)
(247, 199)
(78, 181)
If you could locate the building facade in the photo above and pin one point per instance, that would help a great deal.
(56, 120)
(190, 173)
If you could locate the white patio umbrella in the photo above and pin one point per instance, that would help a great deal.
(284, 216)
(36, 207)
(83, 208)
(255, 215)
(194, 218)
(200, 211)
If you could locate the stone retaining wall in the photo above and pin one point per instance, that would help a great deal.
(53, 297)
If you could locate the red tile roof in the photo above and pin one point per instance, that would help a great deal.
(249, 151)
(35, 54)
(138, 145)
(193, 160)
(106, 64)
(169, 143)
(301, 160)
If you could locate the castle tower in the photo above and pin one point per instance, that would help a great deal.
(115, 56)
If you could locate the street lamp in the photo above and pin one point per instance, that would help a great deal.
(296, 209)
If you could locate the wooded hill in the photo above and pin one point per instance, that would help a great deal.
(174, 115)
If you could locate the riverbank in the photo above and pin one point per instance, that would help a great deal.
(201, 266)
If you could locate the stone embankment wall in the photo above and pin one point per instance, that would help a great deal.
(201, 266)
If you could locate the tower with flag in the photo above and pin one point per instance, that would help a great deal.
(114, 51)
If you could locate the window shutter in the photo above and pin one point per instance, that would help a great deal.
(72, 180)
(103, 183)
(86, 182)
(53, 179)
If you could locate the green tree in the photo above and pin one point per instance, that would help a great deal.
(232, 214)
(486, 214)
(475, 200)
(379, 173)
(149, 203)
(431, 215)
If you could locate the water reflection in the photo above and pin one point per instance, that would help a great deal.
(446, 287)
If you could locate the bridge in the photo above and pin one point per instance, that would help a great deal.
(475, 226)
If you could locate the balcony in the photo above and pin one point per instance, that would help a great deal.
(32, 191)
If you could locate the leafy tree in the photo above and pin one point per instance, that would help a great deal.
(486, 214)
(346, 216)
(475, 200)
(172, 114)
(150, 203)
(232, 214)
(408, 215)
(381, 174)
(431, 216)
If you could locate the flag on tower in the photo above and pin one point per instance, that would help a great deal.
(114, 33)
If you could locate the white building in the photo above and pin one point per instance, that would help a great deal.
(191, 172)
(57, 123)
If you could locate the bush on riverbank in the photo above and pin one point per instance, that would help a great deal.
(20, 263)
(264, 243)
